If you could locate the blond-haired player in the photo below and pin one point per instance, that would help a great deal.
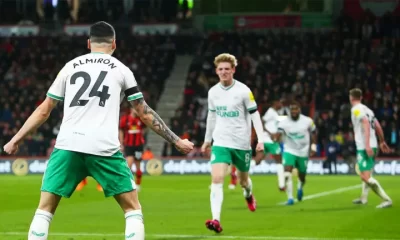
(232, 108)
(365, 127)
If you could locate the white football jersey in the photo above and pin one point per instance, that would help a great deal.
(358, 112)
(92, 87)
(297, 135)
(233, 121)
(271, 119)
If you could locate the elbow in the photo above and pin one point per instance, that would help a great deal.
(145, 118)
(43, 112)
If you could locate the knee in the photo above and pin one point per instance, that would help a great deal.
(364, 178)
(243, 182)
(217, 179)
(288, 169)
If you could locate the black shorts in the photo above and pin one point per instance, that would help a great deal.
(134, 151)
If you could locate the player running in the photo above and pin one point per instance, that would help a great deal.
(365, 127)
(92, 87)
(131, 130)
(297, 130)
(271, 119)
(232, 108)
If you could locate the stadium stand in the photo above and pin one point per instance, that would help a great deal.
(29, 65)
(315, 68)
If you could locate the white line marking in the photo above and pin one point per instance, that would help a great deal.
(327, 193)
(177, 236)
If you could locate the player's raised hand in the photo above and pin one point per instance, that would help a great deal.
(184, 146)
(385, 148)
(11, 148)
(260, 147)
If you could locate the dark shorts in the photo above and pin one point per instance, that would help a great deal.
(134, 151)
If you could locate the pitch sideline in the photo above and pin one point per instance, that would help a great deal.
(177, 236)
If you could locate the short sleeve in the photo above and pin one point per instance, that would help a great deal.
(57, 89)
(130, 86)
(312, 126)
(265, 117)
(358, 113)
(249, 101)
(211, 106)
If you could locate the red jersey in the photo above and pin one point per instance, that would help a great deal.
(133, 130)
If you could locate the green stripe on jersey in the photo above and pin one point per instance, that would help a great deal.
(55, 97)
(135, 96)
(252, 108)
(211, 110)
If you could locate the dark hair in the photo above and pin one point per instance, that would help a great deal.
(356, 93)
(102, 32)
(294, 104)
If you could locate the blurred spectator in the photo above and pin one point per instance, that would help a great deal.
(31, 65)
(315, 68)
(332, 152)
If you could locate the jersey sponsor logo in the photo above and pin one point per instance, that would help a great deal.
(296, 136)
(228, 114)
(222, 111)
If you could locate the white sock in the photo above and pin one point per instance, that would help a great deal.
(289, 185)
(299, 184)
(134, 227)
(39, 229)
(281, 176)
(376, 187)
(364, 191)
(216, 199)
(247, 191)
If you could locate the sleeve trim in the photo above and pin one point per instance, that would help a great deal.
(252, 108)
(55, 97)
(135, 96)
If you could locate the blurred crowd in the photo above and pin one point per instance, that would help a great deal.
(315, 68)
(87, 11)
(28, 67)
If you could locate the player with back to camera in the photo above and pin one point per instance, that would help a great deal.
(232, 108)
(92, 87)
(365, 127)
(297, 130)
(271, 119)
(131, 137)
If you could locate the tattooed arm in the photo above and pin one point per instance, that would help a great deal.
(153, 120)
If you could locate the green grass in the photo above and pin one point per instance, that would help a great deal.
(179, 205)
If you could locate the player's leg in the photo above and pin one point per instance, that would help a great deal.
(242, 159)
(288, 161)
(65, 169)
(220, 161)
(137, 160)
(275, 151)
(301, 163)
(365, 165)
(82, 184)
(116, 178)
(129, 153)
(234, 178)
